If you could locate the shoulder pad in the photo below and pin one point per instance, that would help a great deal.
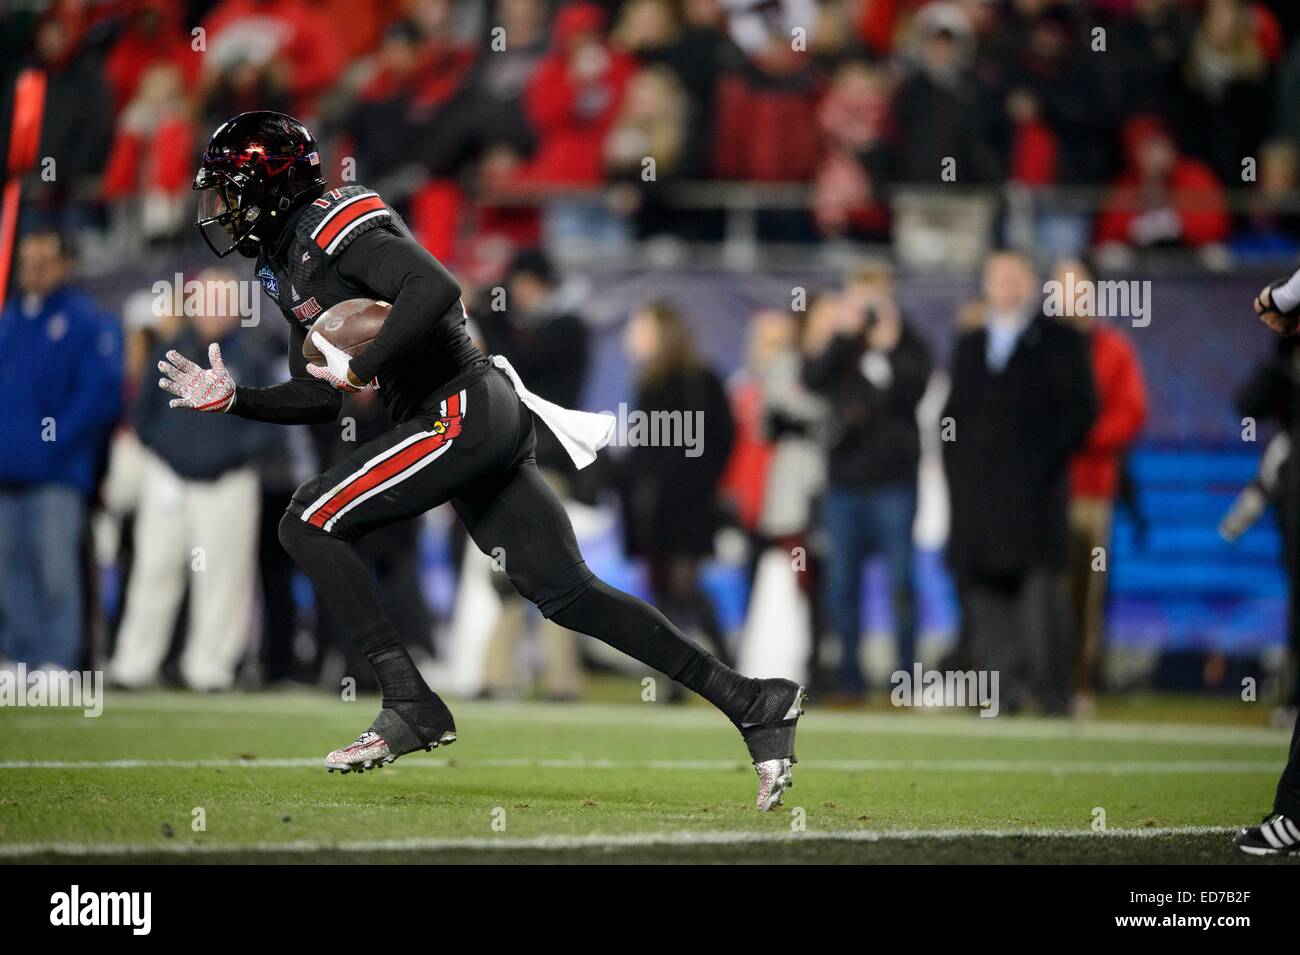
(335, 220)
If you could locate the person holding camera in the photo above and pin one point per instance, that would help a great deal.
(873, 368)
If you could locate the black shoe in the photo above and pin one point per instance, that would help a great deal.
(1276, 835)
(768, 728)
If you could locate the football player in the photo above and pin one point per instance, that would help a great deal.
(1278, 307)
(461, 433)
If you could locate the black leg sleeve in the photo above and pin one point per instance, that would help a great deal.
(630, 624)
(518, 520)
(344, 583)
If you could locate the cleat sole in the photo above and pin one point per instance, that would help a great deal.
(1257, 851)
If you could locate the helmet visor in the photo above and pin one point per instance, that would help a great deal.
(218, 212)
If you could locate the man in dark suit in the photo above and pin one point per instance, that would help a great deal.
(1022, 402)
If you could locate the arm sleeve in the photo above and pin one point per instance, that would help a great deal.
(1264, 395)
(1123, 406)
(820, 372)
(550, 96)
(400, 271)
(959, 398)
(97, 402)
(300, 400)
(912, 365)
(1077, 402)
(724, 425)
(1204, 210)
(784, 398)
(257, 438)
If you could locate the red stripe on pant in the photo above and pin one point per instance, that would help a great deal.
(453, 406)
(381, 473)
(345, 218)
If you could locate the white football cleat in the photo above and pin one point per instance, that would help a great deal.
(369, 751)
(1276, 835)
(774, 778)
(392, 735)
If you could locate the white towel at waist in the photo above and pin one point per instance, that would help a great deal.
(582, 433)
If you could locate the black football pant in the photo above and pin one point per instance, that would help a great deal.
(473, 445)
(1287, 800)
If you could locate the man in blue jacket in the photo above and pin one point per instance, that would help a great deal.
(61, 373)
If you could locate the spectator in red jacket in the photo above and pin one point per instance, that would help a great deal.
(856, 126)
(148, 170)
(574, 97)
(1094, 472)
(1161, 198)
(291, 37)
(154, 35)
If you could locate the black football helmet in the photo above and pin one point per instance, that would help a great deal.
(258, 168)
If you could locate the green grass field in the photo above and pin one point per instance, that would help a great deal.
(628, 782)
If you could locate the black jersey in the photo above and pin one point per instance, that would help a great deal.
(349, 244)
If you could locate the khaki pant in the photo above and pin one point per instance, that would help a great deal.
(1090, 522)
(561, 663)
(200, 533)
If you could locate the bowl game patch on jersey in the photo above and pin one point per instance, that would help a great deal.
(269, 281)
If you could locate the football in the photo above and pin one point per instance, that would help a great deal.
(350, 325)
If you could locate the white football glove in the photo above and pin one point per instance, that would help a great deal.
(203, 389)
(336, 369)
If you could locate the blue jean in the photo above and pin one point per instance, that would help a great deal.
(40, 586)
(861, 523)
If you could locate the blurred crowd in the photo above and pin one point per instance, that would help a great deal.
(811, 450)
(1036, 416)
(469, 113)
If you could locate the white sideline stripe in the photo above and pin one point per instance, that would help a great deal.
(893, 724)
(710, 765)
(593, 840)
(665, 718)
